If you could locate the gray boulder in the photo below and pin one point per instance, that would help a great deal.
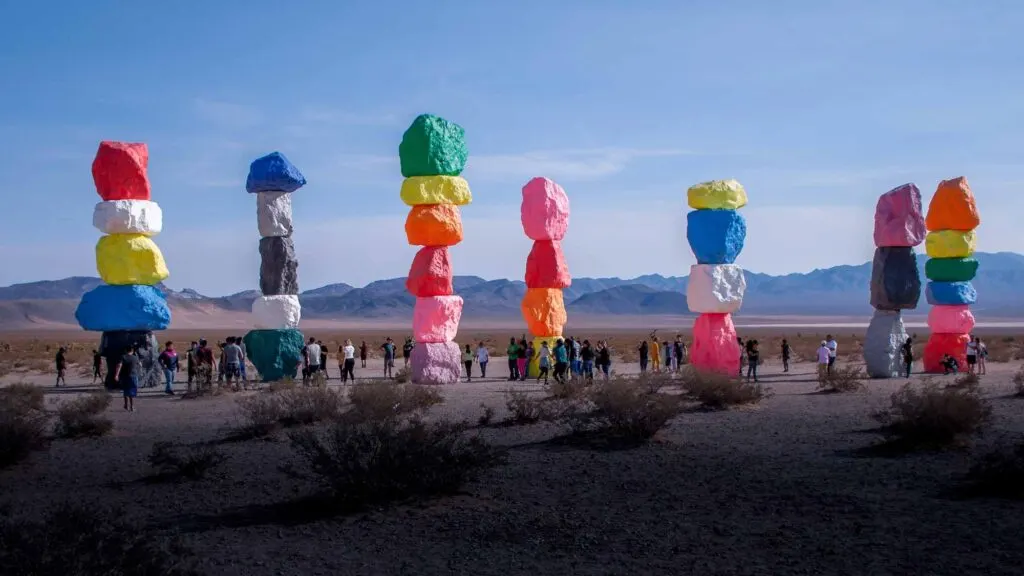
(279, 269)
(895, 279)
(882, 343)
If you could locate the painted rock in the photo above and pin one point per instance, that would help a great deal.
(951, 269)
(119, 171)
(436, 190)
(953, 207)
(717, 195)
(113, 345)
(434, 225)
(436, 318)
(895, 280)
(279, 268)
(544, 211)
(433, 146)
(128, 217)
(716, 236)
(950, 293)
(899, 218)
(546, 267)
(430, 273)
(278, 312)
(276, 354)
(715, 288)
(883, 344)
(939, 345)
(273, 173)
(130, 259)
(534, 367)
(274, 213)
(951, 319)
(131, 307)
(950, 244)
(544, 311)
(436, 363)
(714, 344)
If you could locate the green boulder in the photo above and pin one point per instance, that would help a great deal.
(951, 269)
(433, 146)
(276, 354)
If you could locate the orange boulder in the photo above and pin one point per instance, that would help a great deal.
(544, 311)
(434, 225)
(952, 207)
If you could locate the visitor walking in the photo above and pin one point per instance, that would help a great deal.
(561, 360)
(587, 356)
(389, 357)
(97, 366)
(233, 363)
(482, 358)
(642, 349)
(127, 371)
(192, 364)
(62, 366)
(655, 352)
(168, 360)
(670, 351)
(407, 350)
(677, 354)
(513, 355)
(544, 362)
(570, 349)
(787, 351)
(604, 359)
(531, 353)
(311, 357)
(577, 364)
(348, 362)
(323, 359)
(467, 359)
(972, 355)
(753, 359)
(907, 351)
(523, 353)
(833, 349)
(362, 354)
(824, 354)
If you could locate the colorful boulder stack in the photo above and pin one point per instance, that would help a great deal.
(545, 217)
(275, 346)
(433, 154)
(952, 218)
(895, 280)
(716, 232)
(130, 305)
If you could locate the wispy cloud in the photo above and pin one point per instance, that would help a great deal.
(227, 114)
(569, 164)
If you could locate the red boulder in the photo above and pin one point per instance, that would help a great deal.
(941, 344)
(431, 273)
(546, 267)
(119, 171)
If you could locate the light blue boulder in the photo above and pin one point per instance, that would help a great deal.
(273, 173)
(950, 293)
(276, 354)
(108, 308)
(716, 236)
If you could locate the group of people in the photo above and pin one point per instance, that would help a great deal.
(976, 355)
(564, 359)
(676, 354)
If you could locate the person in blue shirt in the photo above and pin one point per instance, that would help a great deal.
(561, 360)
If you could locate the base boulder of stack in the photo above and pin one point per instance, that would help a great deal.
(276, 354)
(715, 348)
(941, 344)
(883, 344)
(436, 363)
(113, 345)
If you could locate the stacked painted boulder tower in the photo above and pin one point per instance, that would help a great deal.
(129, 306)
(275, 346)
(433, 154)
(951, 220)
(895, 279)
(716, 232)
(545, 217)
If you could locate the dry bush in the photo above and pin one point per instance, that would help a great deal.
(656, 382)
(83, 416)
(1018, 382)
(930, 416)
(23, 423)
(382, 401)
(848, 378)
(486, 416)
(190, 462)
(626, 409)
(966, 380)
(402, 376)
(22, 396)
(569, 389)
(259, 415)
(998, 474)
(524, 408)
(1003, 349)
(308, 405)
(720, 391)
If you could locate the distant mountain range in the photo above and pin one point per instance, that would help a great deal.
(837, 291)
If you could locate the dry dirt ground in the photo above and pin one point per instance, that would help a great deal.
(775, 489)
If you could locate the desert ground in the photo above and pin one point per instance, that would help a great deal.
(779, 487)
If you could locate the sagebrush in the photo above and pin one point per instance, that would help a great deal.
(23, 424)
(383, 400)
(714, 390)
(927, 415)
(83, 416)
(847, 378)
(625, 408)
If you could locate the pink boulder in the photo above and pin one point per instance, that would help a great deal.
(714, 344)
(899, 218)
(436, 318)
(119, 171)
(545, 210)
(951, 319)
(430, 273)
(546, 267)
(436, 363)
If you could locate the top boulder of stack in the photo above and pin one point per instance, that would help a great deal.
(119, 171)
(717, 195)
(433, 146)
(952, 207)
(898, 217)
(273, 173)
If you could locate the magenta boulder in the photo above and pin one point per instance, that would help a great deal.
(899, 219)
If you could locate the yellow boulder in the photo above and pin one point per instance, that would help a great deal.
(950, 244)
(534, 366)
(717, 195)
(130, 259)
(419, 190)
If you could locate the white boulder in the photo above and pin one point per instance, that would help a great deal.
(276, 312)
(128, 217)
(715, 288)
(274, 213)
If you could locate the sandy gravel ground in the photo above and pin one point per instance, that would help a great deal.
(770, 490)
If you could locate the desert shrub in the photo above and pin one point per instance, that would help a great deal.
(626, 409)
(965, 380)
(998, 474)
(191, 462)
(402, 376)
(524, 408)
(259, 414)
(77, 540)
(653, 382)
(567, 389)
(486, 416)
(308, 405)
(848, 378)
(930, 416)
(83, 417)
(715, 390)
(21, 397)
(382, 401)
(1018, 382)
(22, 431)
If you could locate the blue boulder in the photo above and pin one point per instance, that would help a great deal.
(273, 173)
(276, 354)
(716, 236)
(109, 308)
(950, 293)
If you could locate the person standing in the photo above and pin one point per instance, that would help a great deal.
(587, 355)
(907, 351)
(362, 354)
(522, 359)
(743, 354)
(577, 367)
(168, 360)
(982, 356)
(513, 356)
(407, 350)
(62, 366)
(604, 359)
(467, 359)
(482, 358)
(205, 366)
(753, 359)
(561, 360)
(192, 364)
(348, 362)
(642, 349)
(824, 355)
(833, 349)
(570, 349)
(232, 362)
(312, 359)
(972, 355)
(669, 353)
(655, 352)
(389, 358)
(323, 359)
(97, 366)
(677, 353)
(128, 377)
(544, 362)
(787, 351)
(531, 353)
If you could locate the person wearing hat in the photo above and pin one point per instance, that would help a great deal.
(824, 359)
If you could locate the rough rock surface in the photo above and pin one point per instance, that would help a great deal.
(273, 173)
(112, 347)
(130, 259)
(119, 171)
(899, 218)
(280, 312)
(430, 273)
(436, 319)
(895, 280)
(717, 195)
(953, 207)
(883, 343)
(434, 225)
(436, 190)
(276, 354)
(951, 269)
(534, 367)
(544, 211)
(951, 319)
(133, 307)
(950, 293)
(274, 213)
(436, 363)
(715, 288)
(950, 244)
(546, 267)
(716, 236)
(940, 344)
(433, 146)
(714, 344)
(544, 311)
(279, 268)
(128, 217)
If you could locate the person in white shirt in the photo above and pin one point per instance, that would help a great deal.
(833, 346)
(824, 360)
(482, 357)
(982, 356)
(348, 364)
(312, 358)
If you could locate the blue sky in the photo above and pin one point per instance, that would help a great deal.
(817, 107)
